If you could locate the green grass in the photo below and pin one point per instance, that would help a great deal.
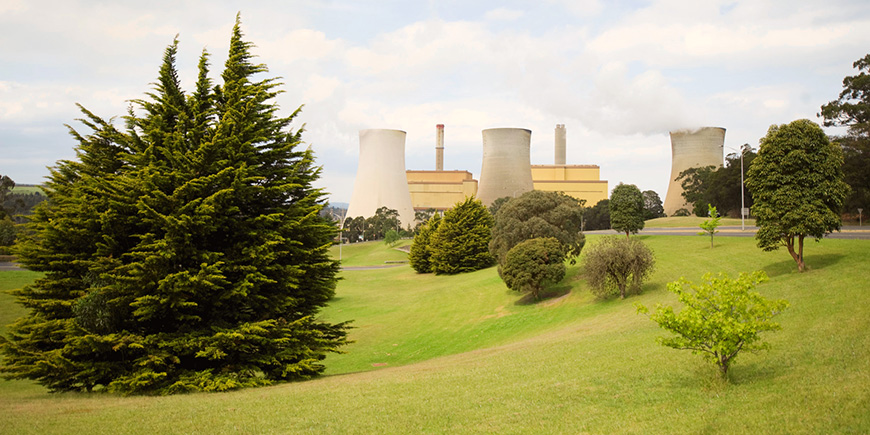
(464, 354)
(27, 189)
(375, 253)
(691, 221)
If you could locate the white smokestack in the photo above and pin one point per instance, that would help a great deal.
(560, 144)
(439, 147)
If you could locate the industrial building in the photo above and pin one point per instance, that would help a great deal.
(506, 169)
(692, 149)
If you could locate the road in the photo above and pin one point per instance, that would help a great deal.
(854, 233)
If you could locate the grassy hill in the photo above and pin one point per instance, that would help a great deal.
(464, 354)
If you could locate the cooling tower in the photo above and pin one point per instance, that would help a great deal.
(439, 147)
(506, 168)
(560, 144)
(380, 176)
(691, 149)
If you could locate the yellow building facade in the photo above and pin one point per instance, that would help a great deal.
(440, 190)
(579, 181)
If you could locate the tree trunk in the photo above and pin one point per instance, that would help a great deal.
(800, 258)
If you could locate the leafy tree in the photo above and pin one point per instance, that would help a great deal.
(496, 205)
(720, 317)
(597, 217)
(626, 209)
(461, 240)
(709, 226)
(383, 220)
(652, 205)
(718, 186)
(534, 264)
(682, 212)
(537, 214)
(852, 109)
(184, 253)
(618, 266)
(421, 252)
(6, 186)
(7, 234)
(392, 237)
(797, 183)
(353, 229)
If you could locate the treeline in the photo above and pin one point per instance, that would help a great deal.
(14, 207)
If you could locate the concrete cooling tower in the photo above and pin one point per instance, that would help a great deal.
(506, 168)
(380, 176)
(692, 149)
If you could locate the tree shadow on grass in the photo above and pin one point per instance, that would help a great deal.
(820, 261)
(547, 295)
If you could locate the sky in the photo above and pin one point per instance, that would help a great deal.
(619, 74)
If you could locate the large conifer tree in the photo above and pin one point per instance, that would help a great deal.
(183, 253)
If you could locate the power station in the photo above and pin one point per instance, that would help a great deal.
(506, 170)
(691, 149)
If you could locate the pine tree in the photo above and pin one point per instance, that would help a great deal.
(184, 254)
(420, 256)
(461, 242)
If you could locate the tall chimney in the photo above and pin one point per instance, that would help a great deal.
(439, 147)
(560, 144)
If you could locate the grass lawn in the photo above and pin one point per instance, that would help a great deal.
(463, 354)
(691, 222)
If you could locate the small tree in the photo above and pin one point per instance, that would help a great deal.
(421, 253)
(533, 265)
(797, 184)
(626, 209)
(720, 317)
(460, 244)
(709, 226)
(617, 266)
(392, 237)
(652, 205)
(597, 217)
(538, 214)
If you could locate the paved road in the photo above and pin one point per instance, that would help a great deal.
(735, 231)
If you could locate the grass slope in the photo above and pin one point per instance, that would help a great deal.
(462, 355)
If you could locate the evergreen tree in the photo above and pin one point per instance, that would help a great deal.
(421, 250)
(460, 244)
(186, 253)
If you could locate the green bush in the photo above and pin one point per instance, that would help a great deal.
(616, 265)
(534, 264)
(720, 317)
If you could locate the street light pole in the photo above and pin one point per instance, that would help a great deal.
(742, 189)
